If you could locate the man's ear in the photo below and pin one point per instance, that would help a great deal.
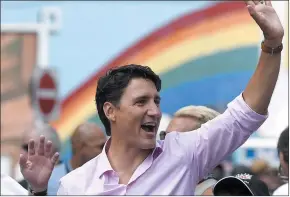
(109, 110)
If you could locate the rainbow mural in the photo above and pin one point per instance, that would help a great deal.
(204, 58)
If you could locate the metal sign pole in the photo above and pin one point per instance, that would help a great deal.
(49, 22)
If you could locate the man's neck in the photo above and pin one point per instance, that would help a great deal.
(74, 162)
(125, 160)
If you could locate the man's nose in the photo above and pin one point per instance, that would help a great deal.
(154, 111)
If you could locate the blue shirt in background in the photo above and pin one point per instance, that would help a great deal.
(58, 172)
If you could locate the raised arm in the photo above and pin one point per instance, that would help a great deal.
(218, 138)
(259, 90)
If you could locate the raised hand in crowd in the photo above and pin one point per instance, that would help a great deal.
(38, 165)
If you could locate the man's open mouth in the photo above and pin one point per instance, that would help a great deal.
(149, 127)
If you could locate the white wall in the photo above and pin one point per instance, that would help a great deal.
(278, 109)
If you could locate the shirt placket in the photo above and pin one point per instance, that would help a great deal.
(139, 171)
(111, 182)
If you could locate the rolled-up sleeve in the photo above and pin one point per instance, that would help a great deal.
(218, 138)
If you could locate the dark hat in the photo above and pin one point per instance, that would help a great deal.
(241, 169)
(241, 185)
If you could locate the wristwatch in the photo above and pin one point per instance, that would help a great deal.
(271, 50)
(33, 193)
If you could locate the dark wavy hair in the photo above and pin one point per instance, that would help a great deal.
(111, 87)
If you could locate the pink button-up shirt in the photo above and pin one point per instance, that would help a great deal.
(176, 164)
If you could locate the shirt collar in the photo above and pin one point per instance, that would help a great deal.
(104, 164)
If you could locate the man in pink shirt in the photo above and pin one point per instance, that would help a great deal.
(132, 161)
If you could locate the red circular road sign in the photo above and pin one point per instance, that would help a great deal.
(45, 93)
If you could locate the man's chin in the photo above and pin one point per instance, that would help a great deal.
(148, 144)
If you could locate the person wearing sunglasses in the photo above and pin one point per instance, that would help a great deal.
(51, 135)
(283, 152)
(132, 161)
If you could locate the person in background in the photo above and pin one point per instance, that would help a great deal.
(240, 185)
(265, 173)
(51, 135)
(241, 169)
(205, 186)
(191, 118)
(260, 167)
(283, 151)
(219, 172)
(272, 179)
(87, 142)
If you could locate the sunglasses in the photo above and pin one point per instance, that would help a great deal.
(162, 135)
(24, 147)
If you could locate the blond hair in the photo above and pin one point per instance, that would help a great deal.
(202, 113)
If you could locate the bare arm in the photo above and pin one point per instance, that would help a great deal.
(259, 90)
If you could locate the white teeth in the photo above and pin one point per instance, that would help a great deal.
(150, 124)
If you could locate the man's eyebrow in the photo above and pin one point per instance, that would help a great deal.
(146, 97)
(141, 97)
